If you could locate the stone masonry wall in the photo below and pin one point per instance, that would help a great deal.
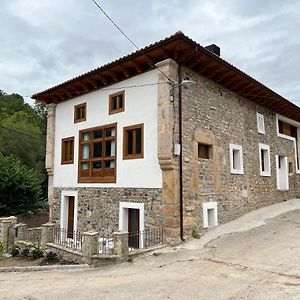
(217, 116)
(98, 208)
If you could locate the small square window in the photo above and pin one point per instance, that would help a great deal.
(236, 159)
(80, 113)
(260, 123)
(264, 160)
(116, 102)
(210, 214)
(67, 151)
(204, 151)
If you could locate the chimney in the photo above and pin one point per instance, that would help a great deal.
(213, 48)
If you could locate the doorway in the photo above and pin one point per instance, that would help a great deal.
(133, 228)
(131, 220)
(282, 172)
(70, 228)
(68, 214)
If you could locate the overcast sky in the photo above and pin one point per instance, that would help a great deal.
(45, 42)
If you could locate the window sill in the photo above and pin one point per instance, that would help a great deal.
(237, 172)
(265, 174)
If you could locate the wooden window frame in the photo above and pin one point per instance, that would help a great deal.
(125, 142)
(209, 151)
(79, 106)
(91, 178)
(118, 109)
(65, 144)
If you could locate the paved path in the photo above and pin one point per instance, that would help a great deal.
(254, 257)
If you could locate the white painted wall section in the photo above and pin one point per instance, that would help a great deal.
(140, 107)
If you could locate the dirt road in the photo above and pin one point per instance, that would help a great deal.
(255, 257)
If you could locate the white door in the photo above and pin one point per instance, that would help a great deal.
(282, 172)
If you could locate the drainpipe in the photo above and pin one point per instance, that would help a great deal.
(180, 156)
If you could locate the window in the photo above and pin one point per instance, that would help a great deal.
(264, 160)
(236, 159)
(210, 214)
(287, 129)
(67, 151)
(133, 142)
(260, 123)
(204, 151)
(97, 154)
(116, 102)
(80, 112)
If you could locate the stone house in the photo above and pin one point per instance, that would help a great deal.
(171, 135)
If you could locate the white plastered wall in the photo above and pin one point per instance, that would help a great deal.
(140, 107)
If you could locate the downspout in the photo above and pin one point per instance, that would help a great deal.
(180, 156)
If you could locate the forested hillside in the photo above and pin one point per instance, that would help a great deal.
(23, 184)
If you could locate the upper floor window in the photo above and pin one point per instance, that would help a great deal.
(287, 129)
(97, 154)
(133, 142)
(204, 151)
(80, 112)
(67, 151)
(236, 159)
(260, 123)
(264, 160)
(116, 102)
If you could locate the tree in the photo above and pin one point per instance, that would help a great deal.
(20, 187)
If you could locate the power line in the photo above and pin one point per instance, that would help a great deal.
(21, 131)
(126, 36)
(107, 89)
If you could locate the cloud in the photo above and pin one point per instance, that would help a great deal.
(46, 42)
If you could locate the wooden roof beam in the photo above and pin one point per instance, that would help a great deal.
(137, 67)
(197, 62)
(125, 71)
(103, 79)
(165, 53)
(93, 83)
(188, 55)
(113, 76)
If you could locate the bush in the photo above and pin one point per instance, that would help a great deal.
(1, 249)
(51, 255)
(14, 250)
(36, 252)
(20, 188)
(24, 252)
(195, 233)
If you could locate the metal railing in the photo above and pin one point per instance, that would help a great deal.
(68, 239)
(105, 244)
(145, 239)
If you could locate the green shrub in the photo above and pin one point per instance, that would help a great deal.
(14, 250)
(36, 252)
(20, 187)
(195, 233)
(1, 249)
(51, 255)
(24, 252)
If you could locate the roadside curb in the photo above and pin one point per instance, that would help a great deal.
(44, 268)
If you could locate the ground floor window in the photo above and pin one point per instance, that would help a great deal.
(210, 214)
